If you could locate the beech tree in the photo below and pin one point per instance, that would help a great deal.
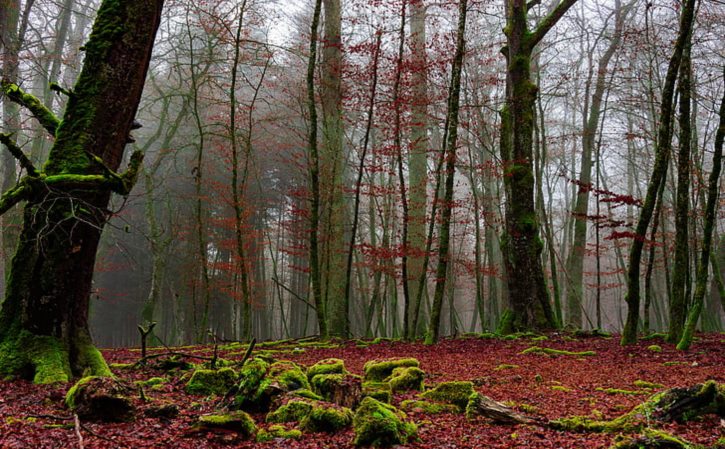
(529, 305)
(44, 319)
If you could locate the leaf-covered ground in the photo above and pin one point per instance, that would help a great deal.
(549, 387)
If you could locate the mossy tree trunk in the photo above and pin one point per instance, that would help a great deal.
(659, 171)
(528, 296)
(44, 319)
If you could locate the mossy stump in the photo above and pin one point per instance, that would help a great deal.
(379, 424)
(378, 370)
(326, 366)
(341, 389)
(101, 399)
(208, 382)
(406, 378)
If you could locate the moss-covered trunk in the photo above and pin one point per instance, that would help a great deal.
(528, 296)
(44, 319)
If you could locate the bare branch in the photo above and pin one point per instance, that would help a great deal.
(549, 21)
(18, 154)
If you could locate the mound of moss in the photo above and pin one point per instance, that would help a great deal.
(278, 432)
(404, 378)
(456, 393)
(237, 421)
(378, 370)
(556, 352)
(427, 407)
(379, 424)
(378, 390)
(207, 381)
(325, 417)
(293, 410)
(101, 399)
(327, 366)
(341, 389)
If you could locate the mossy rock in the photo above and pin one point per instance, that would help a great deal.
(342, 389)
(378, 370)
(208, 382)
(327, 366)
(406, 378)
(288, 375)
(292, 410)
(377, 390)
(325, 417)
(456, 393)
(379, 424)
(237, 421)
(278, 432)
(152, 382)
(101, 399)
(427, 407)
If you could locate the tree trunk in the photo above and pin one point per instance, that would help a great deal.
(528, 297)
(44, 320)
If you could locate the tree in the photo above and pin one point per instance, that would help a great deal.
(44, 319)
(659, 171)
(529, 305)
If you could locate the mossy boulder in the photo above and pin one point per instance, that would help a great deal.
(456, 393)
(326, 417)
(379, 424)
(237, 421)
(327, 366)
(208, 382)
(342, 389)
(101, 399)
(254, 387)
(278, 432)
(406, 378)
(288, 375)
(427, 407)
(377, 390)
(378, 370)
(292, 410)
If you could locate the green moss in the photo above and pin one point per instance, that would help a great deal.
(378, 370)
(647, 385)
(308, 394)
(70, 396)
(652, 439)
(381, 391)
(90, 360)
(614, 391)
(540, 338)
(121, 365)
(560, 388)
(654, 336)
(654, 348)
(152, 382)
(327, 366)
(289, 375)
(40, 357)
(505, 366)
(253, 383)
(456, 393)
(326, 418)
(506, 323)
(427, 407)
(406, 378)
(293, 410)
(556, 352)
(236, 421)
(330, 386)
(278, 432)
(206, 381)
(379, 424)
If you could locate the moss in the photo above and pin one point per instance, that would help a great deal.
(427, 407)
(406, 378)
(343, 389)
(236, 421)
(294, 410)
(289, 375)
(654, 336)
(70, 396)
(560, 388)
(42, 358)
(379, 424)
(308, 394)
(253, 384)
(378, 370)
(327, 366)
(647, 385)
(505, 366)
(206, 382)
(540, 338)
(654, 348)
(506, 323)
(456, 393)
(381, 391)
(152, 382)
(98, 398)
(652, 439)
(674, 363)
(90, 359)
(613, 391)
(556, 352)
(121, 365)
(278, 432)
(326, 418)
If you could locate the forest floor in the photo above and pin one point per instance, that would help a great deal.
(548, 387)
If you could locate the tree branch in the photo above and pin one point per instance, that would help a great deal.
(44, 115)
(13, 197)
(549, 21)
(18, 154)
(532, 3)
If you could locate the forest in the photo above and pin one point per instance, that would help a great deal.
(355, 223)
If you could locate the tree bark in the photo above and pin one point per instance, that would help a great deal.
(44, 320)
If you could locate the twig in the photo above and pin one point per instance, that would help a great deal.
(78, 430)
